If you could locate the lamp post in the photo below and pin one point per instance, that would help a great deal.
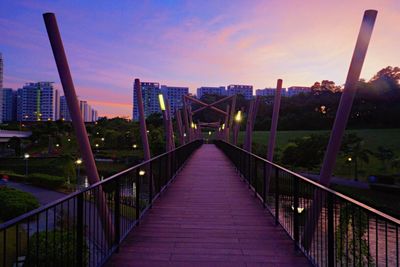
(26, 157)
(238, 119)
(78, 163)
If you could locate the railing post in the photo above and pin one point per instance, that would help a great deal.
(277, 193)
(117, 213)
(295, 211)
(79, 231)
(150, 184)
(331, 232)
(137, 195)
(255, 177)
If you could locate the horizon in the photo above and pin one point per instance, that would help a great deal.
(191, 44)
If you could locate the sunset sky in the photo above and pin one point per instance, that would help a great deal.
(192, 43)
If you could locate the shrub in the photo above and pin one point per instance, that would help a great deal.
(55, 248)
(46, 181)
(15, 202)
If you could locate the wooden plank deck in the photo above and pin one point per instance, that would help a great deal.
(208, 217)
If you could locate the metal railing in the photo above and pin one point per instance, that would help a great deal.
(86, 227)
(330, 228)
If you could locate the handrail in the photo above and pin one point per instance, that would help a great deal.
(340, 195)
(90, 187)
(331, 229)
(69, 230)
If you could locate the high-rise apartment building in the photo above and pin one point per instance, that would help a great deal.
(150, 92)
(64, 111)
(174, 95)
(37, 102)
(295, 90)
(245, 90)
(1, 88)
(211, 91)
(89, 114)
(9, 105)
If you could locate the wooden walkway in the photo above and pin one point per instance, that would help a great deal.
(208, 217)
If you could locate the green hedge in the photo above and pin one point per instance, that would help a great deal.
(55, 248)
(15, 202)
(46, 181)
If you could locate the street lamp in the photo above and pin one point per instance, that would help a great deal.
(134, 146)
(78, 162)
(209, 132)
(102, 139)
(26, 157)
(238, 116)
(142, 172)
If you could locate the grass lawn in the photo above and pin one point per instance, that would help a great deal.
(373, 138)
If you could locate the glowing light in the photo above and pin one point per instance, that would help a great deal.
(192, 125)
(209, 133)
(57, 145)
(184, 134)
(142, 172)
(97, 145)
(223, 126)
(134, 146)
(349, 159)
(78, 161)
(299, 209)
(238, 116)
(161, 100)
(102, 139)
(195, 126)
(69, 139)
(26, 156)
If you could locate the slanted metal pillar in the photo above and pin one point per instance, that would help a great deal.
(225, 131)
(77, 120)
(246, 144)
(180, 129)
(186, 119)
(142, 120)
(272, 133)
(170, 126)
(342, 115)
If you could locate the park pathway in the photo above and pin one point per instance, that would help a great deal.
(208, 217)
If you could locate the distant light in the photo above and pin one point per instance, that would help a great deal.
(78, 161)
(57, 145)
(238, 116)
(63, 119)
(299, 209)
(69, 139)
(102, 139)
(223, 126)
(192, 125)
(49, 119)
(134, 146)
(147, 131)
(161, 100)
(195, 126)
(26, 156)
(97, 133)
(97, 145)
(209, 132)
(349, 159)
(184, 134)
(142, 172)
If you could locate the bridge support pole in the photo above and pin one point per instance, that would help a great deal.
(142, 120)
(186, 119)
(180, 130)
(342, 115)
(77, 120)
(272, 134)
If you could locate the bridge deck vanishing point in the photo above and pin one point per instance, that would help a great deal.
(208, 217)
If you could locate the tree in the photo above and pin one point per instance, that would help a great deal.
(353, 148)
(384, 155)
(306, 152)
